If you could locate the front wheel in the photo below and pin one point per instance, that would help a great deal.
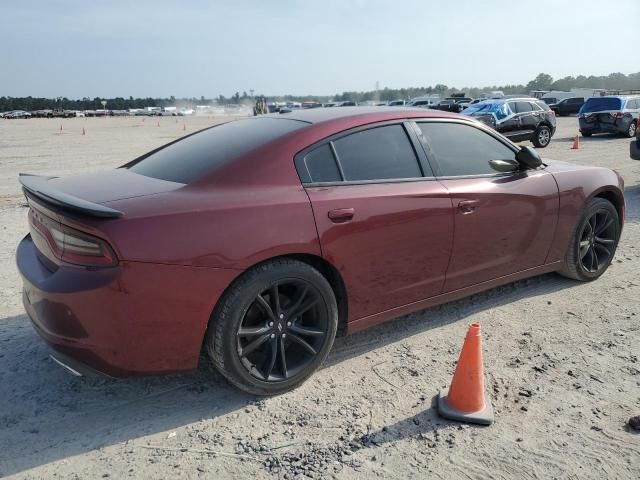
(274, 327)
(594, 241)
(541, 137)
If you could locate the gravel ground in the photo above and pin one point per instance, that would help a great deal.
(561, 362)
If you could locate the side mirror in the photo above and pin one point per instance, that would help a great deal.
(528, 157)
(505, 166)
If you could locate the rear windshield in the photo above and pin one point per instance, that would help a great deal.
(198, 155)
(500, 109)
(599, 104)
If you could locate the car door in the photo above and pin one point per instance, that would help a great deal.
(529, 118)
(383, 221)
(574, 105)
(503, 223)
(508, 123)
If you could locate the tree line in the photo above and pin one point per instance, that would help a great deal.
(544, 81)
(613, 81)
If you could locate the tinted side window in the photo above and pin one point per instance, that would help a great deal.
(379, 153)
(463, 150)
(321, 165)
(543, 106)
(522, 107)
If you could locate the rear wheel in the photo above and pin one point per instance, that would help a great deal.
(274, 327)
(594, 241)
(541, 137)
(631, 131)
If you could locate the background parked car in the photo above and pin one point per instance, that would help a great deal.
(17, 114)
(397, 103)
(423, 102)
(634, 147)
(518, 119)
(567, 106)
(41, 113)
(611, 114)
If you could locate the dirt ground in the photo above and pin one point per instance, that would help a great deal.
(561, 362)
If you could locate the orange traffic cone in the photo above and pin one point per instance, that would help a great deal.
(465, 400)
(576, 143)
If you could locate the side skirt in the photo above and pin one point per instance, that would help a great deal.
(375, 319)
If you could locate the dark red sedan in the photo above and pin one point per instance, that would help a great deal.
(259, 239)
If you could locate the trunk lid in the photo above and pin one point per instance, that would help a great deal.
(90, 194)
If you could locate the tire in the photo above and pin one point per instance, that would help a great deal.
(631, 131)
(248, 313)
(586, 134)
(578, 263)
(634, 149)
(541, 137)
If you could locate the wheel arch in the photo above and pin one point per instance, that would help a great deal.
(328, 271)
(613, 196)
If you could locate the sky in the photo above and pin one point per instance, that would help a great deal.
(199, 48)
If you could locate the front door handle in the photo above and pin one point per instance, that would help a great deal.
(467, 206)
(341, 215)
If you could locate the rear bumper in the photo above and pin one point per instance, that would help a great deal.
(133, 319)
(595, 126)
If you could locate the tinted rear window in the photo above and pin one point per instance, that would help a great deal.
(198, 155)
(596, 104)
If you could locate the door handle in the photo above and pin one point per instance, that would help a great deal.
(341, 215)
(467, 206)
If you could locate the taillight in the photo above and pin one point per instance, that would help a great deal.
(70, 245)
(617, 114)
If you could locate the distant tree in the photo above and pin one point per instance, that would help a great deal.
(542, 82)
(440, 88)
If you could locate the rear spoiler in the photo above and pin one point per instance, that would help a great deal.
(38, 186)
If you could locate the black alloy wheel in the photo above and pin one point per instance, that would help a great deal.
(597, 241)
(594, 242)
(282, 331)
(273, 327)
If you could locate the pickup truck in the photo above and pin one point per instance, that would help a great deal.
(452, 104)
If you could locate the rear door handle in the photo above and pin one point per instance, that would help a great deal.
(467, 206)
(341, 215)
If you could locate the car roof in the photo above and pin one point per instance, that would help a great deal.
(620, 97)
(364, 114)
